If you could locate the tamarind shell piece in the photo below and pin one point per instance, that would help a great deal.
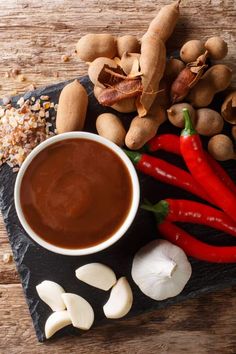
(123, 89)
(109, 77)
(228, 108)
(127, 61)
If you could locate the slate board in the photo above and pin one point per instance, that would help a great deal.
(36, 264)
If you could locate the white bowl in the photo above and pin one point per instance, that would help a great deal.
(123, 228)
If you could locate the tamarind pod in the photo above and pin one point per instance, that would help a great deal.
(165, 21)
(152, 66)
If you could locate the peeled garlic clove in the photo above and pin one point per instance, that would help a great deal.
(50, 292)
(55, 322)
(80, 311)
(120, 300)
(161, 269)
(96, 274)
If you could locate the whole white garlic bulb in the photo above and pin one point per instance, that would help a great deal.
(161, 269)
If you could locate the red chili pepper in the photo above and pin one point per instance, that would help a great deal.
(192, 212)
(221, 173)
(196, 248)
(166, 142)
(171, 143)
(166, 172)
(195, 159)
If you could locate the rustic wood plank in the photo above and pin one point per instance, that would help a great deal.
(34, 35)
(8, 272)
(3, 234)
(178, 329)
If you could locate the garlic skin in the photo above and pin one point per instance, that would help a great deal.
(120, 300)
(79, 310)
(96, 274)
(55, 322)
(161, 270)
(50, 292)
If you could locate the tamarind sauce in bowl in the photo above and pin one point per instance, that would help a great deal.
(77, 194)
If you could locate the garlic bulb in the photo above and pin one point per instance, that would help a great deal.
(161, 270)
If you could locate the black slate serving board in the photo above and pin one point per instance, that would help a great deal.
(36, 264)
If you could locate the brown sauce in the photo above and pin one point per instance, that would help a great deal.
(76, 193)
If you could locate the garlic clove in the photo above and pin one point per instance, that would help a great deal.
(80, 311)
(120, 300)
(55, 322)
(50, 292)
(96, 274)
(161, 270)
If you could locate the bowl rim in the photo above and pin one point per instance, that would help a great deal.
(122, 229)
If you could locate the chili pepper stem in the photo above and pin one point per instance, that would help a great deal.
(188, 129)
(161, 210)
(133, 155)
(144, 150)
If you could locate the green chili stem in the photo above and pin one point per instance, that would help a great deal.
(161, 210)
(188, 129)
(133, 155)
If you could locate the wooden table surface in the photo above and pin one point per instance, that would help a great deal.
(34, 35)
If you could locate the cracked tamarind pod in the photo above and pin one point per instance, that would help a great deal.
(143, 82)
(188, 78)
(153, 54)
(216, 79)
(228, 108)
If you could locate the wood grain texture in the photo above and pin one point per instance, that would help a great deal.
(34, 35)
(3, 236)
(8, 273)
(197, 326)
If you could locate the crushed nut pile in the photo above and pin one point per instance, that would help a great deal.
(23, 128)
